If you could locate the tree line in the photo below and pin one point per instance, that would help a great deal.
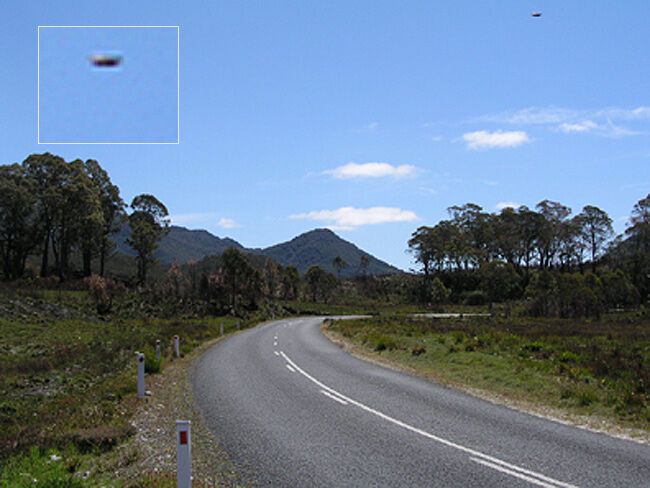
(52, 209)
(548, 256)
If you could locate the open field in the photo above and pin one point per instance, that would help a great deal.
(599, 369)
(67, 382)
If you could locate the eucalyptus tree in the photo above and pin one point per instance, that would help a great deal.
(149, 222)
(596, 230)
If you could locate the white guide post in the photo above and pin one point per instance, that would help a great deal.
(177, 348)
(140, 361)
(157, 349)
(183, 454)
(221, 328)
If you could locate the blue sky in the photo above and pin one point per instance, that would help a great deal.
(284, 104)
(135, 102)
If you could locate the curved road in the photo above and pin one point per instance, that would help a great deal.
(293, 409)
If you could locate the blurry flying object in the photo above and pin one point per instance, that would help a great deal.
(536, 14)
(106, 60)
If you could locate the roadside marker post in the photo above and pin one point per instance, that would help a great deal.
(177, 347)
(140, 362)
(157, 349)
(221, 328)
(238, 325)
(183, 454)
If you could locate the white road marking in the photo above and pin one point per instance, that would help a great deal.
(290, 368)
(514, 473)
(333, 397)
(276, 353)
(505, 465)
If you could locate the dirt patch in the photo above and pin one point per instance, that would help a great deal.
(594, 424)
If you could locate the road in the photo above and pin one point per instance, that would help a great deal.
(293, 409)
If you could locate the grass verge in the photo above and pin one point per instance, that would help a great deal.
(590, 374)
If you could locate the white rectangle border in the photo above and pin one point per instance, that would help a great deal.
(178, 78)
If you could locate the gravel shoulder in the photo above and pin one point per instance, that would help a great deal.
(153, 445)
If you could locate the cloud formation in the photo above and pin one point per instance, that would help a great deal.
(483, 139)
(226, 223)
(502, 205)
(349, 218)
(371, 170)
(604, 122)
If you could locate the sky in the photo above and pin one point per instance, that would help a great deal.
(137, 101)
(367, 117)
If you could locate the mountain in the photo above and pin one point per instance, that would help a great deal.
(180, 245)
(321, 246)
(316, 247)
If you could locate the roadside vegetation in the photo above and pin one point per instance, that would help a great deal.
(597, 368)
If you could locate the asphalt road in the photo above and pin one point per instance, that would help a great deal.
(293, 409)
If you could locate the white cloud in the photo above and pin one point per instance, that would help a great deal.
(502, 205)
(189, 218)
(584, 126)
(227, 223)
(349, 218)
(487, 140)
(371, 170)
(601, 122)
(372, 125)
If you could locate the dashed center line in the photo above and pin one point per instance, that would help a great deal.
(290, 368)
(476, 456)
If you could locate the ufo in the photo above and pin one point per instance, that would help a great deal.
(105, 60)
(536, 14)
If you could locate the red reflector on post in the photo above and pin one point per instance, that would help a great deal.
(183, 437)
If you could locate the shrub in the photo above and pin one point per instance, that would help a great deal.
(418, 349)
(151, 364)
(382, 342)
(475, 297)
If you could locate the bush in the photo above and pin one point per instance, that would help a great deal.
(475, 297)
(151, 364)
(418, 349)
(382, 342)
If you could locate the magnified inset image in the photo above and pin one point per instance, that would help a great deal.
(111, 85)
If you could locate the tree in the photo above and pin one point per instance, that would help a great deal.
(320, 283)
(549, 234)
(112, 209)
(243, 284)
(46, 171)
(596, 229)
(290, 278)
(339, 263)
(638, 233)
(19, 226)
(364, 264)
(79, 215)
(149, 223)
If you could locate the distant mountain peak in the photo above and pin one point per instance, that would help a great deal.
(315, 247)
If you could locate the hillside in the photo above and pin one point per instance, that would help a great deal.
(181, 245)
(321, 246)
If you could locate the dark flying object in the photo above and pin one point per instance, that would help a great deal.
(536, 14)
(106, 60)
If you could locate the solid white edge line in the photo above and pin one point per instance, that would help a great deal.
(424, 433)
(333, 397)
(290, 368)
(513, 473)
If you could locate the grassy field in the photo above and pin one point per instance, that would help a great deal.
(67, 382)
(599, 368)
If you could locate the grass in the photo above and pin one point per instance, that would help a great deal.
(69, 384)
(597, 368)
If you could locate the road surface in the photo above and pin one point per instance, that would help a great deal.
(293, 409)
